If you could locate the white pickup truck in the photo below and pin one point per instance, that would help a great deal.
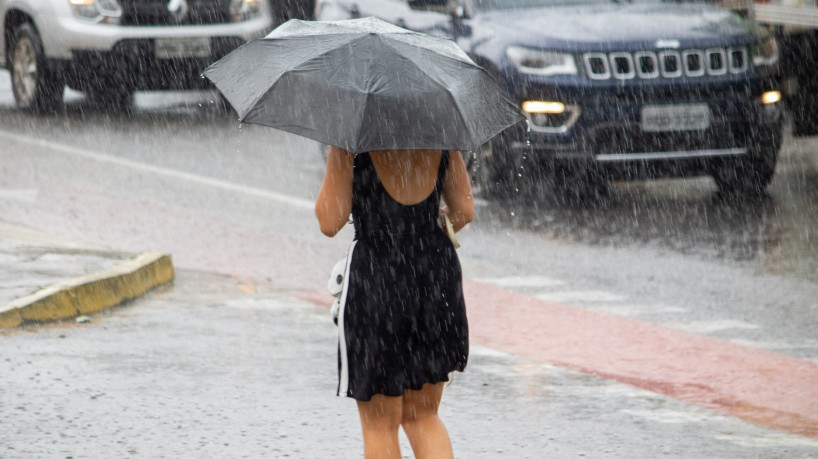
(111, 48)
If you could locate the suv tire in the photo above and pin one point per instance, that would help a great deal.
(805, 115)
(577, 184)
(110, 92)
(34, 85)
(497, 171)
(749, 175)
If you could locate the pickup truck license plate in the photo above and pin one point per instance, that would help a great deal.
(663, 118)
(176, 48)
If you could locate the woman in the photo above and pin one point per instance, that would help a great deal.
(402, 322)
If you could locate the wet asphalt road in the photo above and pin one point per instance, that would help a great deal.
(178, 174)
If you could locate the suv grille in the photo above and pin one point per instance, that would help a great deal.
(156, 13)
(666, 63)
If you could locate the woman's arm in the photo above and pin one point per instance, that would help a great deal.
(334, 202)
(457, 192)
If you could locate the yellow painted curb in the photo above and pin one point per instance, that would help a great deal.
(91, 293)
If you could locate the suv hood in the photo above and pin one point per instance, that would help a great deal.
(612, 25)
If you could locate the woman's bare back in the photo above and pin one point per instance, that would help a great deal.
(408, 177)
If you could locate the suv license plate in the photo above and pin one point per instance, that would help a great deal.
(663, 118)
(176, 48)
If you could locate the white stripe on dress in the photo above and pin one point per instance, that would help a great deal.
(343, 383)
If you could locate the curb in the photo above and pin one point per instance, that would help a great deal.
(91, 293)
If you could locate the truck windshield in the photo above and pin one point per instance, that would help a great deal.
(487, 5)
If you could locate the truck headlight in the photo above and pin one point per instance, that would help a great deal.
(541, 62)
(242, 10)
(766, 53)
(106, 11)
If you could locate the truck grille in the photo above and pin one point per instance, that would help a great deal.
(156, 13)
(665, 63)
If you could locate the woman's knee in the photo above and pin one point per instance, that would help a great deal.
(421, 404)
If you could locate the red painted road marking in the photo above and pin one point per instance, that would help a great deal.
(764, 387)
(760, 386)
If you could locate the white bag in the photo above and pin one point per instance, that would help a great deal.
(335, 286)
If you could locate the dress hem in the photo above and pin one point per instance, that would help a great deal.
(440, 379)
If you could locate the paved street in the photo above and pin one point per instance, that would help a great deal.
(218, 367)
(233, 206)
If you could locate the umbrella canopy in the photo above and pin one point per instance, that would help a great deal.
(364, 85)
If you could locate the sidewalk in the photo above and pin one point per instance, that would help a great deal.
(44, 278)
(216, 366)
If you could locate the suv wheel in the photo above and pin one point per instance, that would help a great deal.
(35, 87)
(110, 93)
(576, 184)
(805, 115)
(749, 174)
(495, 172)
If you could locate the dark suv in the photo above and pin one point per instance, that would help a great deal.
(614, 89)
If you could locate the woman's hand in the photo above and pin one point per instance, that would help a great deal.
(334, 203)
(457, 192)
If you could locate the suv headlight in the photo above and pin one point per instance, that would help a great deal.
(766, 53)
(540, 62)
(107, 11)
(242, 10)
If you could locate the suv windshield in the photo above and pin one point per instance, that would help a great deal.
(487, 5)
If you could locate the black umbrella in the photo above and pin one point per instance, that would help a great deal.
(364, 85)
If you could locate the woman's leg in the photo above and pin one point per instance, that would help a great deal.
(425, 430)
(380, 420)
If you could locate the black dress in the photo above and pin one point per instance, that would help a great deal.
(402, 319)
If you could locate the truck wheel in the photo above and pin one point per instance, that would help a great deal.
(35, 86)
(749, 175)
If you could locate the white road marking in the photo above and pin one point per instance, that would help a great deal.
(776, 345)
(292, 201)
(639, 309)
(25, 195)
(21, 234)
(768, 439)
(666, 416)
(522, 281)
(726, 428)
(579, 296)
(711, 326)
(476, 349)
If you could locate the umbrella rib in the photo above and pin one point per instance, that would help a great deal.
(447, 41)
(441, 85)
(289, 69)
(361, 123)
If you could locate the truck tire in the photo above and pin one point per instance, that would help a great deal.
(34, 85)
(749, 175)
